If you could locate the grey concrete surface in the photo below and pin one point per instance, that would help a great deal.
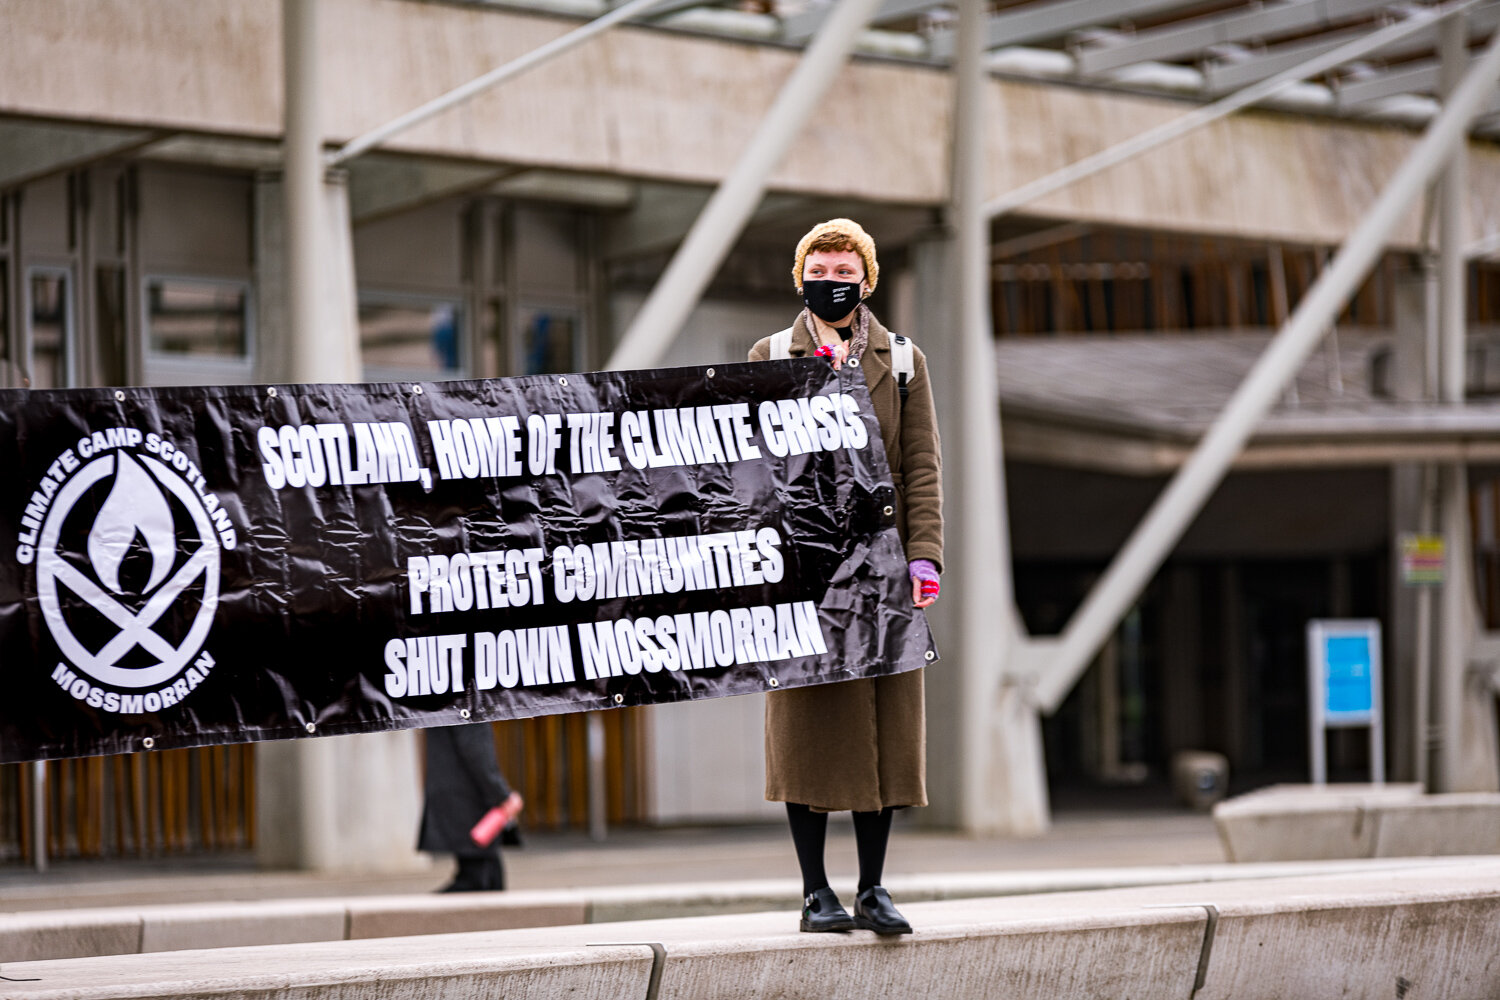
(1418, 931)
(81, 933)
(636, 856)
(1306, 822)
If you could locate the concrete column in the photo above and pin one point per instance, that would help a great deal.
(1413, 495)
(345, 803)
(986, 736)
(335, 304)
(1454, 625)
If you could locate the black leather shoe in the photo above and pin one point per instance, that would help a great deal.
(822, 911)
(874, 911)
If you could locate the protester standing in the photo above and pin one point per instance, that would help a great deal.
(858, 745)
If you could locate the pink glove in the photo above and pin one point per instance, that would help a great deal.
(926, 571)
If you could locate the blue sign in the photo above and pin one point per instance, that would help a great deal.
(1348, 688)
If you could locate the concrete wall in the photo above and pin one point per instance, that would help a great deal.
(1405, 932)
(632, 103)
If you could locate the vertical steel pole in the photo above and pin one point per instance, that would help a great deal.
(725, 215)
(39, 815)
(303, 189)
(1452, 296)
(598, 820)
(1002, 783)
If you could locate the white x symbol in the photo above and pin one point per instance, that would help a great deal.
(135, 629)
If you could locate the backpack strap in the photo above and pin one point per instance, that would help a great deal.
(781, 345)
(903, 363)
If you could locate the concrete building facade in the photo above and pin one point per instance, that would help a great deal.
(143, 241)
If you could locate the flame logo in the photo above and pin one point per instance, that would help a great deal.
(135, 506)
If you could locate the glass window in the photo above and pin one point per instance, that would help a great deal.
(549, 341)
(410, 338)
(196, 318)
(51, 323)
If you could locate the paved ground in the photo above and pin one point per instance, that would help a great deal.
(638, 856)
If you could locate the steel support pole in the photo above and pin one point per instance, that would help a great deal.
(1453, 619)
(479, 84)
(39, 815)
(598, 776)
(1452, 236)
(1001, 784)
(303, 189)
(1253, 94)
(1184, 497)
(719, 224)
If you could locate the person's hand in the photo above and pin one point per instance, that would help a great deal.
(925, 585)
(835, 353)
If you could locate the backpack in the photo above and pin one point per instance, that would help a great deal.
(903, 357)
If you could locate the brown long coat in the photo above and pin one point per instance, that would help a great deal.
(862, 744)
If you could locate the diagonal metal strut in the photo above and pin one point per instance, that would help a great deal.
(719, 224)
(1185, 495)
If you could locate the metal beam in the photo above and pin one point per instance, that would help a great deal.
(1040, 22)
(1423, 22)
(1223, 76)
(1184, 497)
(798, 28)
(303, 181)
(1453, 269)
(1416, 78)
(1001, 788)
(714, 232)
(479, 84)
(1236, 25)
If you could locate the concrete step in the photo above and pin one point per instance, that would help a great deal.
(121, 930)
(1420, 931)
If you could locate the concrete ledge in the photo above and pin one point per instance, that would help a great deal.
(398, 916)
(1307, 822)
(81, 933)
(1417, 931)
(29, 937)
(229, 925)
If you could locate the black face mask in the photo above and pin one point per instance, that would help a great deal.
(830, 300)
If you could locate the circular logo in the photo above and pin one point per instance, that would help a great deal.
(134, 573)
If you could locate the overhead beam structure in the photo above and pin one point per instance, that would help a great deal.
(1219, 77)
(1423, 22)
(1185, 495)
(1417, 78)
(1045, 21)
(1237, 25)
(800, 27)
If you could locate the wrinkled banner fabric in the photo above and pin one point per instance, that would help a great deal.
(193, 566)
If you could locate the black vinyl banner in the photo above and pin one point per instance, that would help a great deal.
(192, 566)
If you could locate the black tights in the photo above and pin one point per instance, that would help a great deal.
(872, 831)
